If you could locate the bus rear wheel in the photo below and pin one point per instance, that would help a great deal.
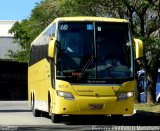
(158, 100)
(55, 118)
(35, 112)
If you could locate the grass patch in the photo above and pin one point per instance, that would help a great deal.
(147, 107)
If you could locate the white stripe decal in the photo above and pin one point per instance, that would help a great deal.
(41, 105)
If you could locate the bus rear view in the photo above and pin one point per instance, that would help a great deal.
(91, 68)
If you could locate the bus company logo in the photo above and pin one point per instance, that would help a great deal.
(76, 73)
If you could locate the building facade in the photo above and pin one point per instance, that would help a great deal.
(6, 39)
(13, 75)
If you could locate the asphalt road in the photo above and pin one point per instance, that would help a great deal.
(16, 115)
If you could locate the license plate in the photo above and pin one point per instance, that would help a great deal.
(95, 106)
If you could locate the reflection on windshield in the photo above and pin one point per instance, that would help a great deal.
(107, 56)
(112, 50)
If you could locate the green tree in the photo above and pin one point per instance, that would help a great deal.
(21, 36)
(28, 29)
(144, 17)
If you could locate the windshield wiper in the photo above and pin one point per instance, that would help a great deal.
(85, 67)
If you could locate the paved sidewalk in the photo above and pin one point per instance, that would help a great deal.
(14, 105)
(19, 113)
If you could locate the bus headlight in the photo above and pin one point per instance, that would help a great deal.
(124, 95)
(66, 95)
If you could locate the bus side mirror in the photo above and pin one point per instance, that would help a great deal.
(52, 47)
(138, 48)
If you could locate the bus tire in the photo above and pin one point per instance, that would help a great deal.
(158, 100)
(55, 118)
(116, 116)
(35, 112)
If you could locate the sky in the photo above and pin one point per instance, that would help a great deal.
(16, 9)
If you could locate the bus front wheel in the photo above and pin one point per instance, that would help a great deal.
(55, 118)
(116, 116)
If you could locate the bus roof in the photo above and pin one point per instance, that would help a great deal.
(90, 18)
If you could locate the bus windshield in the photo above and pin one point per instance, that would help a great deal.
(91, 52)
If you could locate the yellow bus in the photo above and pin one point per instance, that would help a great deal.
(83, 66)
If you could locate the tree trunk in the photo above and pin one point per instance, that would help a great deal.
(137, 93)
(152, 80)
(137, 88)
(142, 25)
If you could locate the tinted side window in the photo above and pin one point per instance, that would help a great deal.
(39, 50)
